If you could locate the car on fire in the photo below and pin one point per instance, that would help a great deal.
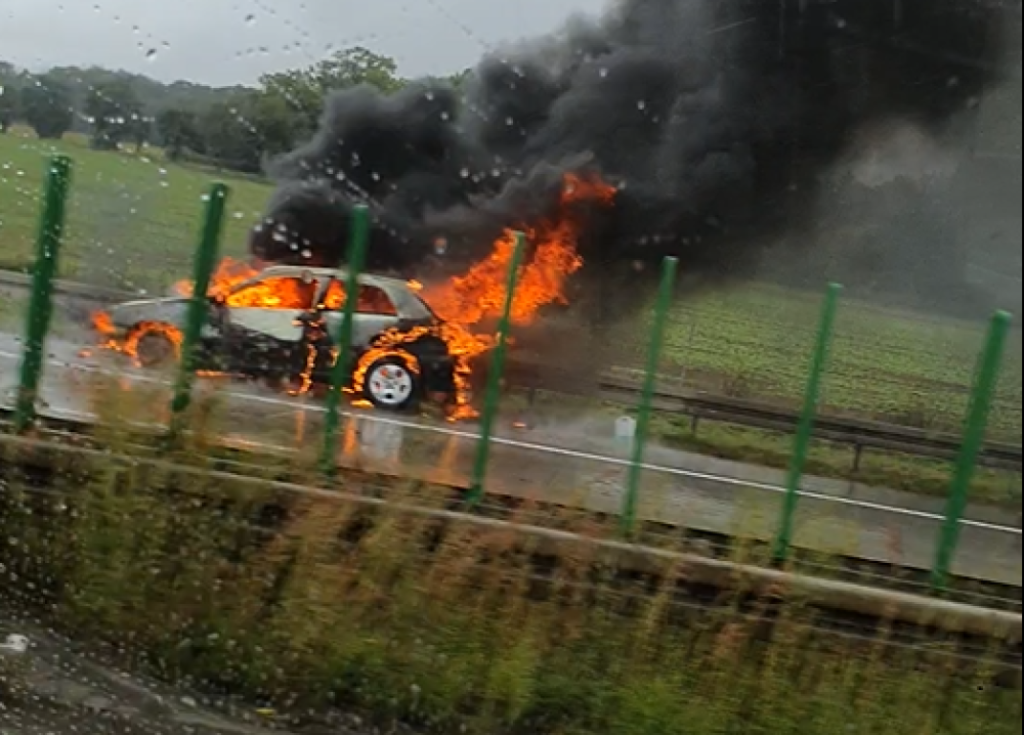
(280, 325)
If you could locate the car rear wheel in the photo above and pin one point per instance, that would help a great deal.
(155, 350)
(391, 383)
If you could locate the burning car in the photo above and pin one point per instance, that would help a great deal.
(280, 323)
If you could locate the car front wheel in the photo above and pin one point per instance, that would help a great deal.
(391, 383)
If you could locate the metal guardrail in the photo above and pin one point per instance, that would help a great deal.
(615, 387)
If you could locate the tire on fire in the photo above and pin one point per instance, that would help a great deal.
(153, 348)
(392, 382)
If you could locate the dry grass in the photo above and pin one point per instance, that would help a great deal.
(452, 628)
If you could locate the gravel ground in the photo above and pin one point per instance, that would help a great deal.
(52, 688)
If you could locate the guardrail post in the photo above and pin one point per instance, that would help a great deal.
(40, 308)
(492, 392)
(805, 424)
(203, 264)
(359, 239)
(643, 421)
(975, 425)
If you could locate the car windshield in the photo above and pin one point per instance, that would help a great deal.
(372, 299)
(276, 292)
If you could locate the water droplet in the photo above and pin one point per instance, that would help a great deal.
(603, 72)
(151, 54)
(250, 19)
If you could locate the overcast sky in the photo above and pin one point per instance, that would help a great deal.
(231, 41)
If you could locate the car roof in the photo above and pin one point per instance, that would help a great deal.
(370, 279)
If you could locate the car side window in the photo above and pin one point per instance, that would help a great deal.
(278, 292)
(372, 300)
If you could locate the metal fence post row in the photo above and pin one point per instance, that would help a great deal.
(492, 392)
(976, 422)
(643, 421)
(203, 265)
(358, 244)
(40, 308)
(805, 425)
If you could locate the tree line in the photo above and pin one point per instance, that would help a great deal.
(231, 127)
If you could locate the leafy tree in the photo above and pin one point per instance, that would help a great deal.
(301, 94)
(46, 105)
(243, 132)
(9, 105)
(178, 130)
(304, 90)
(355, 66)
(116, 115)
(10, 96)
(458, 79)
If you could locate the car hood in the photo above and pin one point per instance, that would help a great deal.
(169, 310)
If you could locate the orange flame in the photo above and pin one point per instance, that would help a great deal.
(147, 329)
(103, 325)
(229, 273)
(479, 294)
(462, 302)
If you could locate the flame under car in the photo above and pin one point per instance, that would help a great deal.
(281, 325)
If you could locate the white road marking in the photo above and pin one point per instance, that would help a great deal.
(558, 451)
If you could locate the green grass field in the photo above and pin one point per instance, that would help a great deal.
(134, 221)
(756, 342)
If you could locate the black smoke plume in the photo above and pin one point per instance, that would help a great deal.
(716, 119)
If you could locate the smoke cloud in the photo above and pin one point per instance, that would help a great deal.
(717, 119)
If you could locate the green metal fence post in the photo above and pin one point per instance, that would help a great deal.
(496, 371)
(203, 265)
(986, 381)
(359, 239)
(805, 427)
(40, 308)
(643, 421)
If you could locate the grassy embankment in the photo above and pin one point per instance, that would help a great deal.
(446, 628)
(133, 221)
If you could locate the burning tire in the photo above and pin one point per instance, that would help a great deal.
(154, 346)
(392, 383)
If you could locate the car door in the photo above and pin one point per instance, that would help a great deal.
(375, 312)
(270, 308)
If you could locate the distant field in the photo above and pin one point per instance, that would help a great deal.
(757, 341)
(134, 221)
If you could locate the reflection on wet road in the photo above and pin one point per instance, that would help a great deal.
(575, 461)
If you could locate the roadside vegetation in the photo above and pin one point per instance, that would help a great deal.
(298, 604)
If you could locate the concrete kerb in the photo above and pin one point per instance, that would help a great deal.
(916, 610)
